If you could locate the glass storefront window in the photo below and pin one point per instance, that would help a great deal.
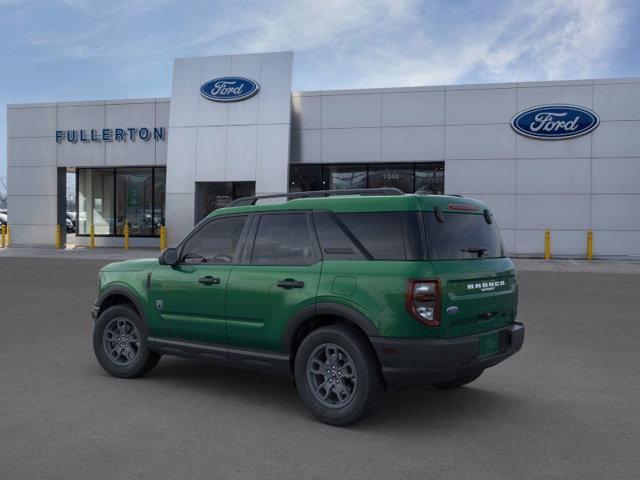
(305, 178)
(134, 192)
(430, 179)
(425, 178)
(340, 177)
(109, 198)
(95, 201)
(398, 176)
(213, 195)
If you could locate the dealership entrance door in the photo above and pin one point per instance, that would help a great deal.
(213, 195)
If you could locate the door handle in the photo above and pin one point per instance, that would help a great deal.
(209, 280)
(290, 283)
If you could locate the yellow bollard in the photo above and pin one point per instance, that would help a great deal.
(3, 229)
(58, 236)
(126, 236)
(92, 237)
(163, 237)
(8, 234)
(547, 244)
(589, 245)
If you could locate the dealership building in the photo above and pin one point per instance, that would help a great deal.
(560, 156)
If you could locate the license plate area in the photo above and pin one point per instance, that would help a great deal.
(489, 344)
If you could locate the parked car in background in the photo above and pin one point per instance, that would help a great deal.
(3, 217)
(349, 295)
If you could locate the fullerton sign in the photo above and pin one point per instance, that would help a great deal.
(555, 122)
(110, 135)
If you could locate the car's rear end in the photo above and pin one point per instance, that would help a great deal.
(466, 300)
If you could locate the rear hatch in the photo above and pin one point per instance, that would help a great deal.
(478, 283)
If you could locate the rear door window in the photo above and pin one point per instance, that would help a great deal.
(461, 236)
(283, 239)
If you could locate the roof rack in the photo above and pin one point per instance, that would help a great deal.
(243, 201)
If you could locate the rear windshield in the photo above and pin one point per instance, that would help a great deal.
(461, 236)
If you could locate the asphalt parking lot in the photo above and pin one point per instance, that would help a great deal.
(567, 406)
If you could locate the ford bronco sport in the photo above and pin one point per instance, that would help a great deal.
(348, 292)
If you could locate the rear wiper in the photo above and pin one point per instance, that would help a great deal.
(479, 250)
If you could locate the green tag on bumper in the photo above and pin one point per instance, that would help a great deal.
(489, 344)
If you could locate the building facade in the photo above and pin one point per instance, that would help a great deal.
(562, 156)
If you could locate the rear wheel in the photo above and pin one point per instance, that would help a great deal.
(338, 376)
(459, 382)
(120, 344)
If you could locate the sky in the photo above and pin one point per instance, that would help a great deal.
(87, 50)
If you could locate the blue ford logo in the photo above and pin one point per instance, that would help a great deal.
(555, 122)
(229, 89)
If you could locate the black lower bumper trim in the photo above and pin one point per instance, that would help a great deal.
(411, 363)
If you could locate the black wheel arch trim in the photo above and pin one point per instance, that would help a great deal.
(126, 292)
(325, 308)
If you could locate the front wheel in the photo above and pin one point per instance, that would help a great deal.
(120, 344)
(338, 376)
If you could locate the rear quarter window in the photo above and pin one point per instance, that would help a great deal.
(461, 236)
(380, 233)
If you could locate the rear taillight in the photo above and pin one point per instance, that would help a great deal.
(423, 301)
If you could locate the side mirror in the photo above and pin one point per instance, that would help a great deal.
(169, 257)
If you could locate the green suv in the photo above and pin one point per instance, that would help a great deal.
(348, 292)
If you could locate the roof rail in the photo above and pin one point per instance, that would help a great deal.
(243, 201)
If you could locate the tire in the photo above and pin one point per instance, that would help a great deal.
(131, 358)
(353, 391)
(460, 381)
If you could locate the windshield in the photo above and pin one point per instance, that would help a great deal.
(461, 236)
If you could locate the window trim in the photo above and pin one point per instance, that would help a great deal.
(206, 221)
(247, 252)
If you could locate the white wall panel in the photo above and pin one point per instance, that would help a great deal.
(185, 92)
(81, 154)
(616, 243)
(32, 180)
(615, 212)
(495, 105)
(616, 175)
(32, 209)
(541, 95)
(241, 152)
(480, 176)
(32, 122)
(41, 235)
(479, 141)
(179, 213)
(579, 147)
(617, 102)
(617, 139)
(351, 145)
(273, 159)
(412, 143)
(37, 152)
(306, 146)
(558, 175)
(246, 111)
(275, 92)
(162, 120)
(138, 152)
(563, 242)
(567, 212)
(509, 240)
(125, 115)
(211, 154)
(181, 171)
(82, 117)
(412, 108)
(346, 111)
(208, 112)
(306, 112)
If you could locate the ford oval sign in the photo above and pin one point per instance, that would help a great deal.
(555, 122)
(229, 89)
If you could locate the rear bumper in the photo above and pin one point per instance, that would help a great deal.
(411, 363)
